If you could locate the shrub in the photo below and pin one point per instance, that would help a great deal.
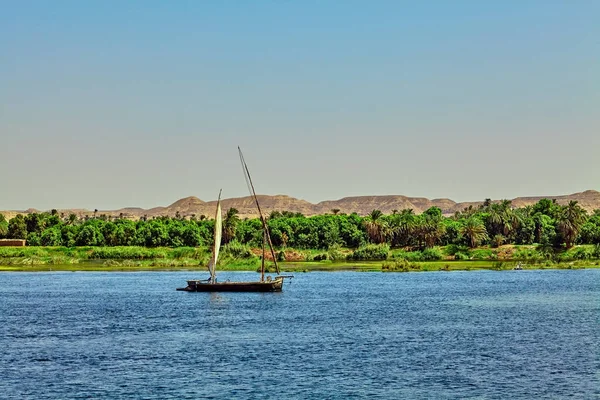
(235, 249)
(596, 251)
(33, 239)
(51, 237)
(398, 266)
(408, 255)
(482, 254)
(9, 252)
(184, 252)
(15, 252)
(370, 252)
(122, 253)
(561, 256)
(497, 241)
(269, 268)
(524, 254)
(546, 251)
(452, 249)
(281, 256)
(334, 253)
(582, 253)
(433, 254)
(461, 256)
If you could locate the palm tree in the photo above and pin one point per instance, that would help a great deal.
(511, 222)
(403, 227)
(284, 239)
(468, 211)
(547, 207)
(569, 222)
(495, 213)
(275, 214)
(377, 228)
(474, 230)
(3, 226)
(375, 214)
(72, 219)
(502, 219)
(230, 224)
(430, 230)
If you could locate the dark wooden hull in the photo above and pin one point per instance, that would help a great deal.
(204, 286)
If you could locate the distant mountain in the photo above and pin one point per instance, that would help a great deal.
(193, 206)
(589, 200)
(386, 204)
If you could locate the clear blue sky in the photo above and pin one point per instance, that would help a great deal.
(107, 104)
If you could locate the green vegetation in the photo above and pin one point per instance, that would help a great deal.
(238, 257)
(400, 266)
(545, 234)
(370, 252)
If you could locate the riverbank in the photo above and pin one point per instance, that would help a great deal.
(195, 259)
(291, 267)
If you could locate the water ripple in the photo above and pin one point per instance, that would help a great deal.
(476, 335)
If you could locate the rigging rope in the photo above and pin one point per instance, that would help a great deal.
(262, 218)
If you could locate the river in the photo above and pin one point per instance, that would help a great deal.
(338, 335)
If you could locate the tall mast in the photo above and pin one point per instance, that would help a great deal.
(262, 218)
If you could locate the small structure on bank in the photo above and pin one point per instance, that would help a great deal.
(12, 242)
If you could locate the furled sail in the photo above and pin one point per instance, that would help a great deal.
(217, 245)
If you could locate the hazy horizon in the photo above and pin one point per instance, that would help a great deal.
(140, 103)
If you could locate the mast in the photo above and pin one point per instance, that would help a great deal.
(262, 218)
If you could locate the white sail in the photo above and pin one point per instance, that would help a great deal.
(217, 245)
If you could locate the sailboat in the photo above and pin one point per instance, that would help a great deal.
(268, 284)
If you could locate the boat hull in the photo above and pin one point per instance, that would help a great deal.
(204, 286)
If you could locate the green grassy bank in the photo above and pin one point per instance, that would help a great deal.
(236, 257)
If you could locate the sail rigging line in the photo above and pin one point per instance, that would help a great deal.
(212, 264)
(262, 218)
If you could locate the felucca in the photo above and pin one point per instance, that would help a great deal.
(268, 284)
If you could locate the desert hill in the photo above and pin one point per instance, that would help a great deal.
(386, 204)
(193, 206)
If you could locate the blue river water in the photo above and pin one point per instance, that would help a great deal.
(341, 335)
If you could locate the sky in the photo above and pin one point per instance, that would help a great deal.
(110, 104)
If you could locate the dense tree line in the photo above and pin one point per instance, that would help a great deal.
(492, 223)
